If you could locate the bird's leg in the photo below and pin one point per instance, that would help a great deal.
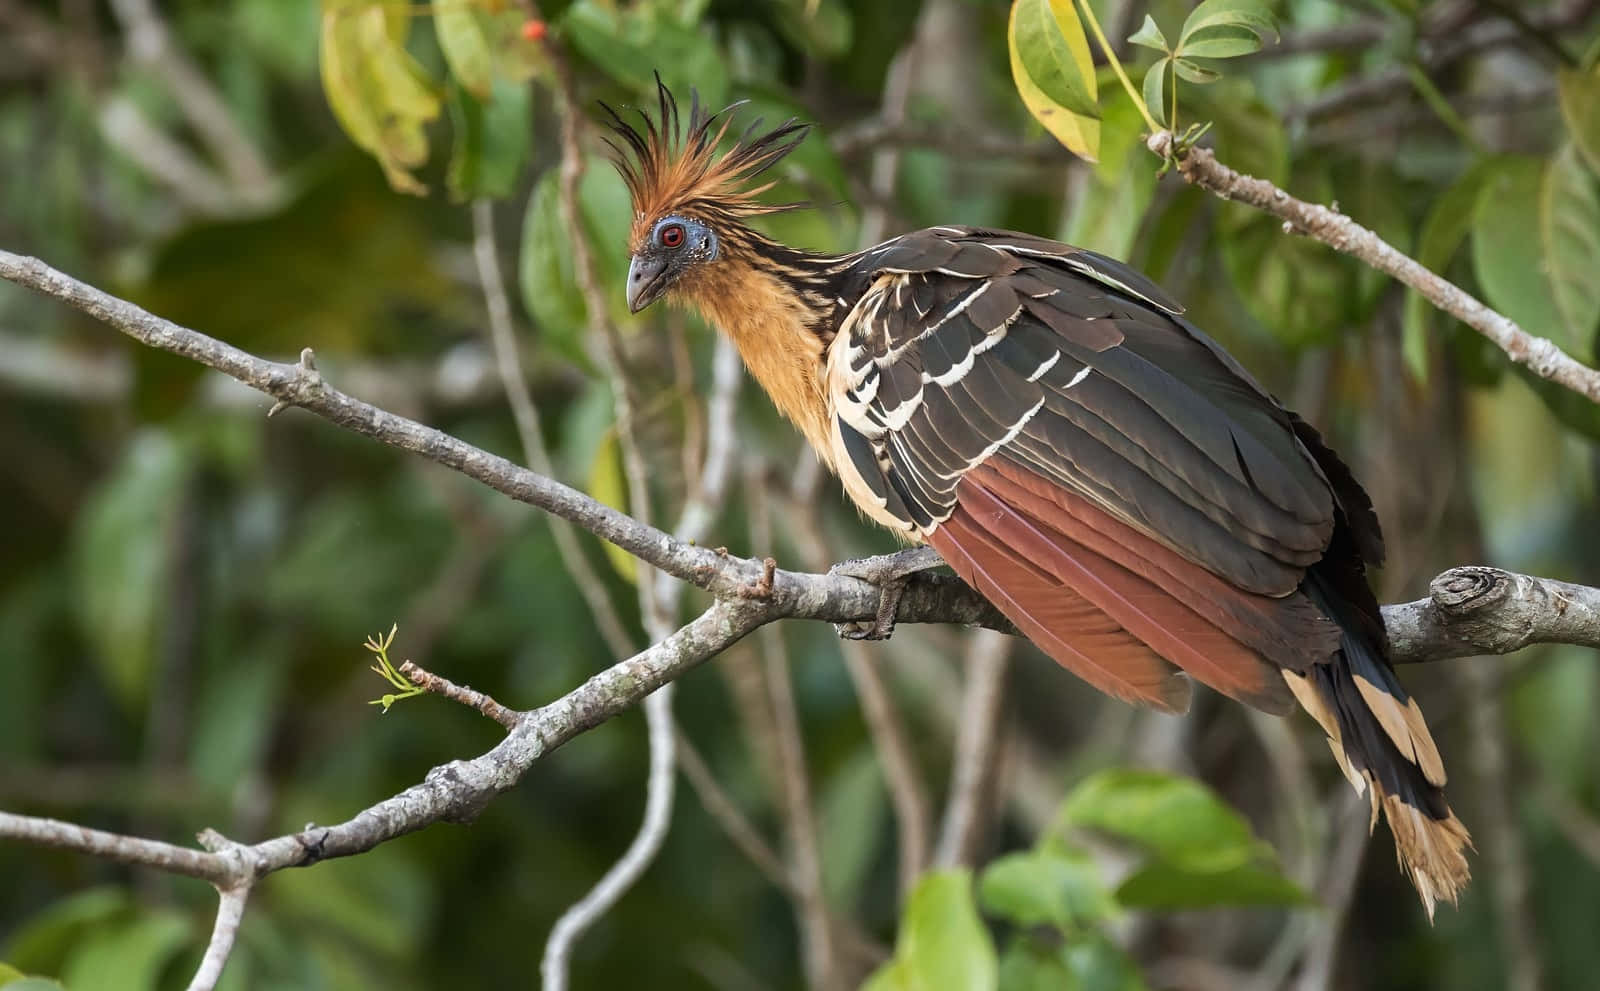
(889, 572)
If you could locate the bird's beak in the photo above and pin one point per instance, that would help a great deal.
(645, 282)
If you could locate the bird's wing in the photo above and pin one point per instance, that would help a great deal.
(1091, 462)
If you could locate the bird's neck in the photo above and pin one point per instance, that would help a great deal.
(780, 308)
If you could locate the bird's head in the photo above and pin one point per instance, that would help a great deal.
(690, 201)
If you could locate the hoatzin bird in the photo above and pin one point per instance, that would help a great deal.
(1087, 459)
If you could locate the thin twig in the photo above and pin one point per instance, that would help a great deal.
(1453, 47)
(907, 794)
(150, 44)
(230, 911)
(661, 784)
(722, 808)
(658, 597)
(1482, 682)
(886, 160)
(641, 853)
(799, 816)
(471, 698)
(1576, 823)
(455, 792)
(1540, 355)
(530, 431)
(977, 749)
(875, 134)
(1336, 892)
(165, 159)
(794, 786)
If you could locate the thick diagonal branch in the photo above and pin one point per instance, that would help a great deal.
(1528, 610)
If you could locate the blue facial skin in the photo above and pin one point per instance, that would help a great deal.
(676, 245)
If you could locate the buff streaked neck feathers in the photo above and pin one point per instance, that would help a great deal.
(770, 324)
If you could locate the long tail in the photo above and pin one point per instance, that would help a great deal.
(1378, 736)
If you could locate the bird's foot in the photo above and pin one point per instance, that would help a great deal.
(889, 572)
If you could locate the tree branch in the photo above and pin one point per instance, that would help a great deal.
(114, 846)
(1428, 629)
(454, 792)
(977, 750)
(1470, 611)
(150, 44)
(1436, 55)
(1540, 355)
(230, 912)
(1479, 610)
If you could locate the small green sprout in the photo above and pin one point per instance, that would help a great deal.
(379, 645)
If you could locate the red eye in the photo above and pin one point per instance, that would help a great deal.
(671, 235)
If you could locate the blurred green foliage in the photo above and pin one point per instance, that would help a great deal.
(185, 585)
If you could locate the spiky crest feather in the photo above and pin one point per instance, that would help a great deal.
(677, 169)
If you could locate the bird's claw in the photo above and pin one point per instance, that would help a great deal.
(890, 572)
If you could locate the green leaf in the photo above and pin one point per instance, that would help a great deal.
(1098, 964)
(122, 554)
(8, 974)
(1202, 852)
(1056, 886)
(545, 273)
(1177, 819)
(1054, 51)
(380, 95)
(276, 31)
(1252, 15)
(516, 57)
(235, 715)
(465, 46)
(492, 141)
(378, 910)
(819, 27)
(43, 942)
(1025, 967)
(1194, 72)
(1155, 90)
(942, 943)
(1087, 962)
(853, 805)
(1507, 254)
(1149, 36)
(608, 484)
(1569, 227)
(1579, 95)
(1376, 195)
(130, 956)
(1222, 41)
(631, 43)
(1443, 230)
(1066, 102)
(1250, 137)
(1301, 293)
(1164, 886)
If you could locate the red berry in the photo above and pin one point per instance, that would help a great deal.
(534, 30)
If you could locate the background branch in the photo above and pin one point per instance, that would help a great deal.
(1540, 355)
(977, 749)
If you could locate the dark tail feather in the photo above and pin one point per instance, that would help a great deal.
(1380, 740)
